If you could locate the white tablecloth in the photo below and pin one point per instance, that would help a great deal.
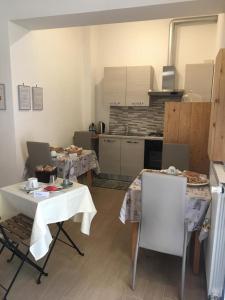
(60, 206)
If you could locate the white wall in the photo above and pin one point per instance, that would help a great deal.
(8, 166)
(59, 61)
(146, 43)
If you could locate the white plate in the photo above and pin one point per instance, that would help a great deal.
(178, 172)
(25, 188)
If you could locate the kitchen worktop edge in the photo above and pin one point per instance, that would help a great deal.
(136, 137)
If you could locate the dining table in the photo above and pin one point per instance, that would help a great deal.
(45, 208)
(198, 201)
(71, 165)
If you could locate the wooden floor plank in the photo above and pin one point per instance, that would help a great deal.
(104, 271)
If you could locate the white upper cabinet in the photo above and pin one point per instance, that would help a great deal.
(115, 86)
(198, 81)
(139, 81)
(127, 86)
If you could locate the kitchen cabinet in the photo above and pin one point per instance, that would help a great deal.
(109, 155)
(121, 156)
(132, 157)
(198, 81)
(216, 146)
(139, 81)
(188, 123)
(115, 86)
(127, 86)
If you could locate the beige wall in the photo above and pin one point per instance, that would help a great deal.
(146, 43)
(68, 63)
(59, 61)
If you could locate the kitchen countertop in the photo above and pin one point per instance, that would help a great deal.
(136, 137)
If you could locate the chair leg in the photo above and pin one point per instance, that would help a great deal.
(134, 263)
(17, 272)
(134, 268)
(2, 248)
(13, 254)
(49, 253)
(184, 258)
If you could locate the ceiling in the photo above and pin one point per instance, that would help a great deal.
(170, 9)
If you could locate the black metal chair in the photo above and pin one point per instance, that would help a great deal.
(15, 232)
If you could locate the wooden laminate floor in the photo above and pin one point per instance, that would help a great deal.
(104, 271)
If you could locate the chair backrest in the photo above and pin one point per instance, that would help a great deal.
(83, 139)
(176, 155)
(39, 154)
(163, 212)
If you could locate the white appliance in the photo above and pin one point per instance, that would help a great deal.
(215, 244)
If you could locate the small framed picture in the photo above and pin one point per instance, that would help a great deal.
(24, 97)
(37, 98)
(2, 97)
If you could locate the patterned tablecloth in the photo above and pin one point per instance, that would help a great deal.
(197, 205)
(73, 166)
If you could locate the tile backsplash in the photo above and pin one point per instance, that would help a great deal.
(140, 120)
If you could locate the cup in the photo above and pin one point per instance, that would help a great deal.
(32, 183)
(53, 153)
(172, 170)
(66, 181)
(52, 179)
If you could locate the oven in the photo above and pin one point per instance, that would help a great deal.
(153, 154)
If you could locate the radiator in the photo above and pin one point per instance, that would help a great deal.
(215, 247)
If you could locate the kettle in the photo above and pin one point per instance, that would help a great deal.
(92, 127)
(101, 127)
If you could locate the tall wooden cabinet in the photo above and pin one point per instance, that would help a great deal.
(216, 146)
(188, 123)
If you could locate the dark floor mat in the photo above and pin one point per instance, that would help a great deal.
(111, 184)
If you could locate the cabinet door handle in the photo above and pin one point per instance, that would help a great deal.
(132, 142)
(109, 141)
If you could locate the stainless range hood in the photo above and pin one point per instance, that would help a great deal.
(168, 78)
(168, 85)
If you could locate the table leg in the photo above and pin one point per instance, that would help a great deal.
(89, 178)
(197, 253)
(134, 235)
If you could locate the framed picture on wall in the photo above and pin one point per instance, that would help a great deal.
(24, 97)
(37, 98)
(2, 97)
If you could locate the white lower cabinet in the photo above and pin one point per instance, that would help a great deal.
(121, 156)
(109, 155)
(132, 157)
